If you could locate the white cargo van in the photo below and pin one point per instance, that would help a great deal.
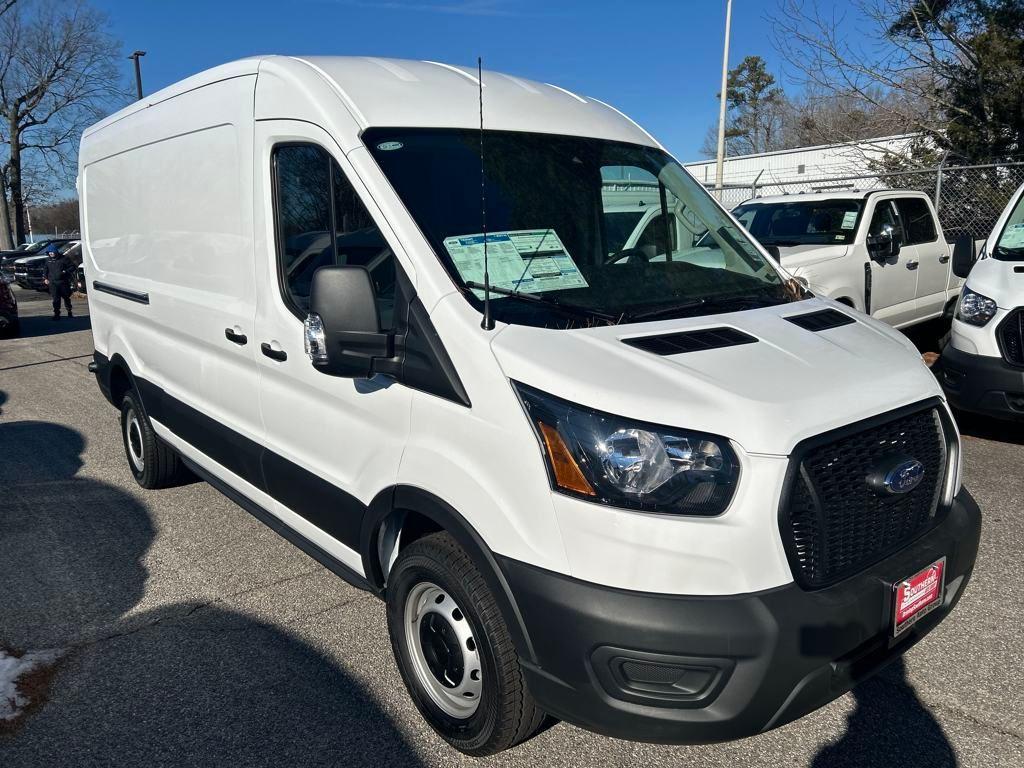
(660, 499)
(882, 251)
(982, 366)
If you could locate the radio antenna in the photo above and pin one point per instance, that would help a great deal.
(488, 321)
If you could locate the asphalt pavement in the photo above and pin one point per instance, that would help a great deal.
(191, 634)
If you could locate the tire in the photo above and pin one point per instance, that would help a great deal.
(152, 461)
(437, 597)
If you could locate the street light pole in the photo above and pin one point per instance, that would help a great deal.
(138, 72)
(721, 106)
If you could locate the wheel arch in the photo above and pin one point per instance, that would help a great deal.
(399, 515)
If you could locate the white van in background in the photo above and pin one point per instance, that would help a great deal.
(982, 366)
(882, 251)
(676, 500)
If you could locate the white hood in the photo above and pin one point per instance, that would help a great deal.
(999, 280)
(798, 256)
(767, 396)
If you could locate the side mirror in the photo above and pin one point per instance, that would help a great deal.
(774, 252)
(963, 255)
(343, 334)
(885, 245)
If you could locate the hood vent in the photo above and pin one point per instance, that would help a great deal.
(821, 320)
(691, 341)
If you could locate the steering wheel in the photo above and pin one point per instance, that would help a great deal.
(630, 256)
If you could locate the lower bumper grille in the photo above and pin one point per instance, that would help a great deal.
(834, 522)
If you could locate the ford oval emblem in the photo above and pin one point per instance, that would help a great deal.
(904, 477)
(895, 474)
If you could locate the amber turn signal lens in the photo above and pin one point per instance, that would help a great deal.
(567, 471)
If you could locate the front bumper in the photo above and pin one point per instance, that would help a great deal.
(982, 384)
(685, 670)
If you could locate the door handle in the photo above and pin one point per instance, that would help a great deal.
(274, 354)
(911, 265)
(236, 338)
(943, 258)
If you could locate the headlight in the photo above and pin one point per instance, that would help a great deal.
(974, 308)
(608, 459)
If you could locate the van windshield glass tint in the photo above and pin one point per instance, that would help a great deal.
(821, 222)
(1010, 246)
(561, 231)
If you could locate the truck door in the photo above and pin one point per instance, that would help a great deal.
(893, 280)
(331, 443)
(933, 257)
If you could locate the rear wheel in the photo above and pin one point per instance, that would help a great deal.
(454, 650)
(153, 463)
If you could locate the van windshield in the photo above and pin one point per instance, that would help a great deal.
(788, 224)
(578, 229)
(1010, 246)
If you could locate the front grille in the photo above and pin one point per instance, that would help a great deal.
(833, 523)
(1011, 337)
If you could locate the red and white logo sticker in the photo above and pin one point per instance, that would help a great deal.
(917, 596)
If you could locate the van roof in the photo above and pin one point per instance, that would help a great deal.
(406, 93)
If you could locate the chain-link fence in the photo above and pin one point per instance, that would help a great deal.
(968, 198)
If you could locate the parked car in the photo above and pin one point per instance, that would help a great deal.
(982, 365)
(8, 258)
(882, 251)
(30, 271)
(9, 322)
(660, 499)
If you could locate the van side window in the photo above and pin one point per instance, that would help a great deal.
(321, 221)
(917, 219)
(884, 215)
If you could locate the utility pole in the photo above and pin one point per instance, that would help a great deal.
(721, 106)
(138, 72)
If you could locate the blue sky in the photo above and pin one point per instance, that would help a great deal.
(658, 61)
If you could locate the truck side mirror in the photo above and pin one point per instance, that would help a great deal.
(342, 330)
(963, 255)
(885, 245)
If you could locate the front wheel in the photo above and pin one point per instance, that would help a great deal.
(454, 650)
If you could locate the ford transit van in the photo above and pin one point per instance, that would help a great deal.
(667, 496)
(982, 366)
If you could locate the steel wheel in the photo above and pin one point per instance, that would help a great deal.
(444, 654)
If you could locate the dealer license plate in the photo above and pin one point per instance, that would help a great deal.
(917, 596)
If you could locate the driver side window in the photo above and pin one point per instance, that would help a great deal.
(321, 221)
(885, 215)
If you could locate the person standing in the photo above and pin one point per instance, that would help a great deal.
(58, 278)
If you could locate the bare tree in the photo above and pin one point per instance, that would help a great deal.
(58, 73)
(950, 70)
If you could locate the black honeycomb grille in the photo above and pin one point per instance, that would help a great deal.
(833, 524)
(1011, 337)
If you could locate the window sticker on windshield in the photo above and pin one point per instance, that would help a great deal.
(526, 260)
(1013, 237)
(849, 220)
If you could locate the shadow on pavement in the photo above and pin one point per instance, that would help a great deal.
(187, 683)
(33, 326)
(889, 727)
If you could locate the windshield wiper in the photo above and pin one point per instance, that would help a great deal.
(569, 309)
(783, 243)
(732, 303)
(1013, 253)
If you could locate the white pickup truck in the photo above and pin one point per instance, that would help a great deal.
(882, 252)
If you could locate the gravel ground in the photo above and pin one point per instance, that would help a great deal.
(191, 634)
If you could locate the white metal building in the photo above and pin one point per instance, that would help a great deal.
(801, 164)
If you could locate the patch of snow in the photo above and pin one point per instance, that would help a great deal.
(11, 670)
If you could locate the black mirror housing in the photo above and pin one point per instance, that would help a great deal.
(963, 255)
(883, 246)
(353, 342)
